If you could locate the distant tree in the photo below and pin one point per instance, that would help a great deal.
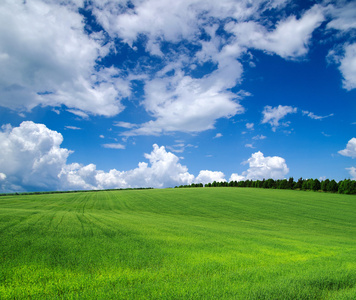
(299, 184)
(305, 185)
(324, 185)
(347, 186)
(291, 183)
(283, 184)
(315, 185)
(241, 183)
(332, 186)
(270, 184)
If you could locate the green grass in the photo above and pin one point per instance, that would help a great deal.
(203, 243)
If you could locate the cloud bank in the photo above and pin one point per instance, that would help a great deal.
(32, 159)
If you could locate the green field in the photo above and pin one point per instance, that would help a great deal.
(198, 243)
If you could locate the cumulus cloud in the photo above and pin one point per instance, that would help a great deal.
(273, 115)
(260, 167)
(350, 149)
(47, 59)
(206, 176)
(183, 103)
(352, 172)
(31, 156)
(164, 171)
(32, 159)
(236, 177)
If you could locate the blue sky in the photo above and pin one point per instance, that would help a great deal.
(154, 93)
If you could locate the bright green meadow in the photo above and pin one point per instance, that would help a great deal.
(197, 243)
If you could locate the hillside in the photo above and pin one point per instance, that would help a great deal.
(197, 243)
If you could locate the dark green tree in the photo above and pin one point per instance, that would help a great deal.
(315, 185)
(299, 184)
(347, 186)
(332, 186)
(324, 185)
(291, 183)
(283, 184)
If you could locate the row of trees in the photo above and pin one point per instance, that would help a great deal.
(346, 186)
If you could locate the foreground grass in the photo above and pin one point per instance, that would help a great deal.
(216, 243)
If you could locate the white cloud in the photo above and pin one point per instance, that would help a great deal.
(289, 39)
(259, 137)
(78, 113)
(218, 135)
(350, 149)
(172, 21)
(325, 134)
(250, 126)
(164, 171)
(180, 147)
(47, 59)
(236, 177)
(206, 176)
(343, 16)
(183, 103)
(31, 156)
(72, 127)
(348, 67)
(352, 172)
(265, 167)
(249, 146)
(114, 146)
(273, 115)
(125, 125)
(32, 159)
(315, 117)
(343, 19)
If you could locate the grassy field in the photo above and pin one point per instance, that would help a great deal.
(198, 243)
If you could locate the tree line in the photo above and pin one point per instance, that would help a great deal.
(346, 186)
